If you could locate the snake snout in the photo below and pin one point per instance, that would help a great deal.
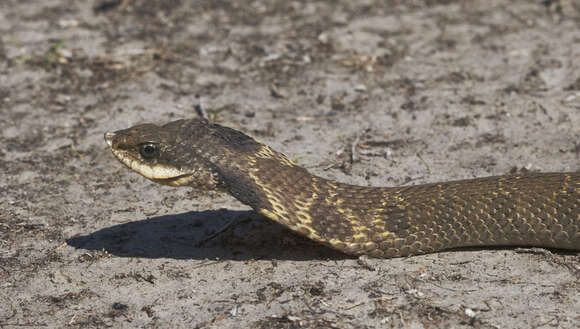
(109, 138)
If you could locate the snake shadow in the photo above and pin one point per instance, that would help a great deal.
(211, 234)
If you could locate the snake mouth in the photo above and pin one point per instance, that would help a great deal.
(159, 173)
(180, 180)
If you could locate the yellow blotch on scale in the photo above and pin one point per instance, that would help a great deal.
(266, 152)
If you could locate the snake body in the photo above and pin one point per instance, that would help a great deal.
(540, 209)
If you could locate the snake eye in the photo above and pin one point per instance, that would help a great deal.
(148, 150)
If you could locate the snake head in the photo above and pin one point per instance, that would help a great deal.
(170, 154)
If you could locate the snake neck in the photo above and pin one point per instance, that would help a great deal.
(323, 210)
(264, 180)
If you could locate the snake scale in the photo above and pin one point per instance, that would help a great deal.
(540, 209)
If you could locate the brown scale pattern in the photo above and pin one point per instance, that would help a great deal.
(540, 210)
(516, 210)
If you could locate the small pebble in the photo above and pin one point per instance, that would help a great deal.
(360, 88)
(570, 98)
(469, 312)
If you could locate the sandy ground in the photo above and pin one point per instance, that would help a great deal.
(365, 92)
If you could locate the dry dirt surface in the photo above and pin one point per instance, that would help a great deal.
(365, 92)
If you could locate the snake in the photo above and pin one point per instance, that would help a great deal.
(515, 210)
